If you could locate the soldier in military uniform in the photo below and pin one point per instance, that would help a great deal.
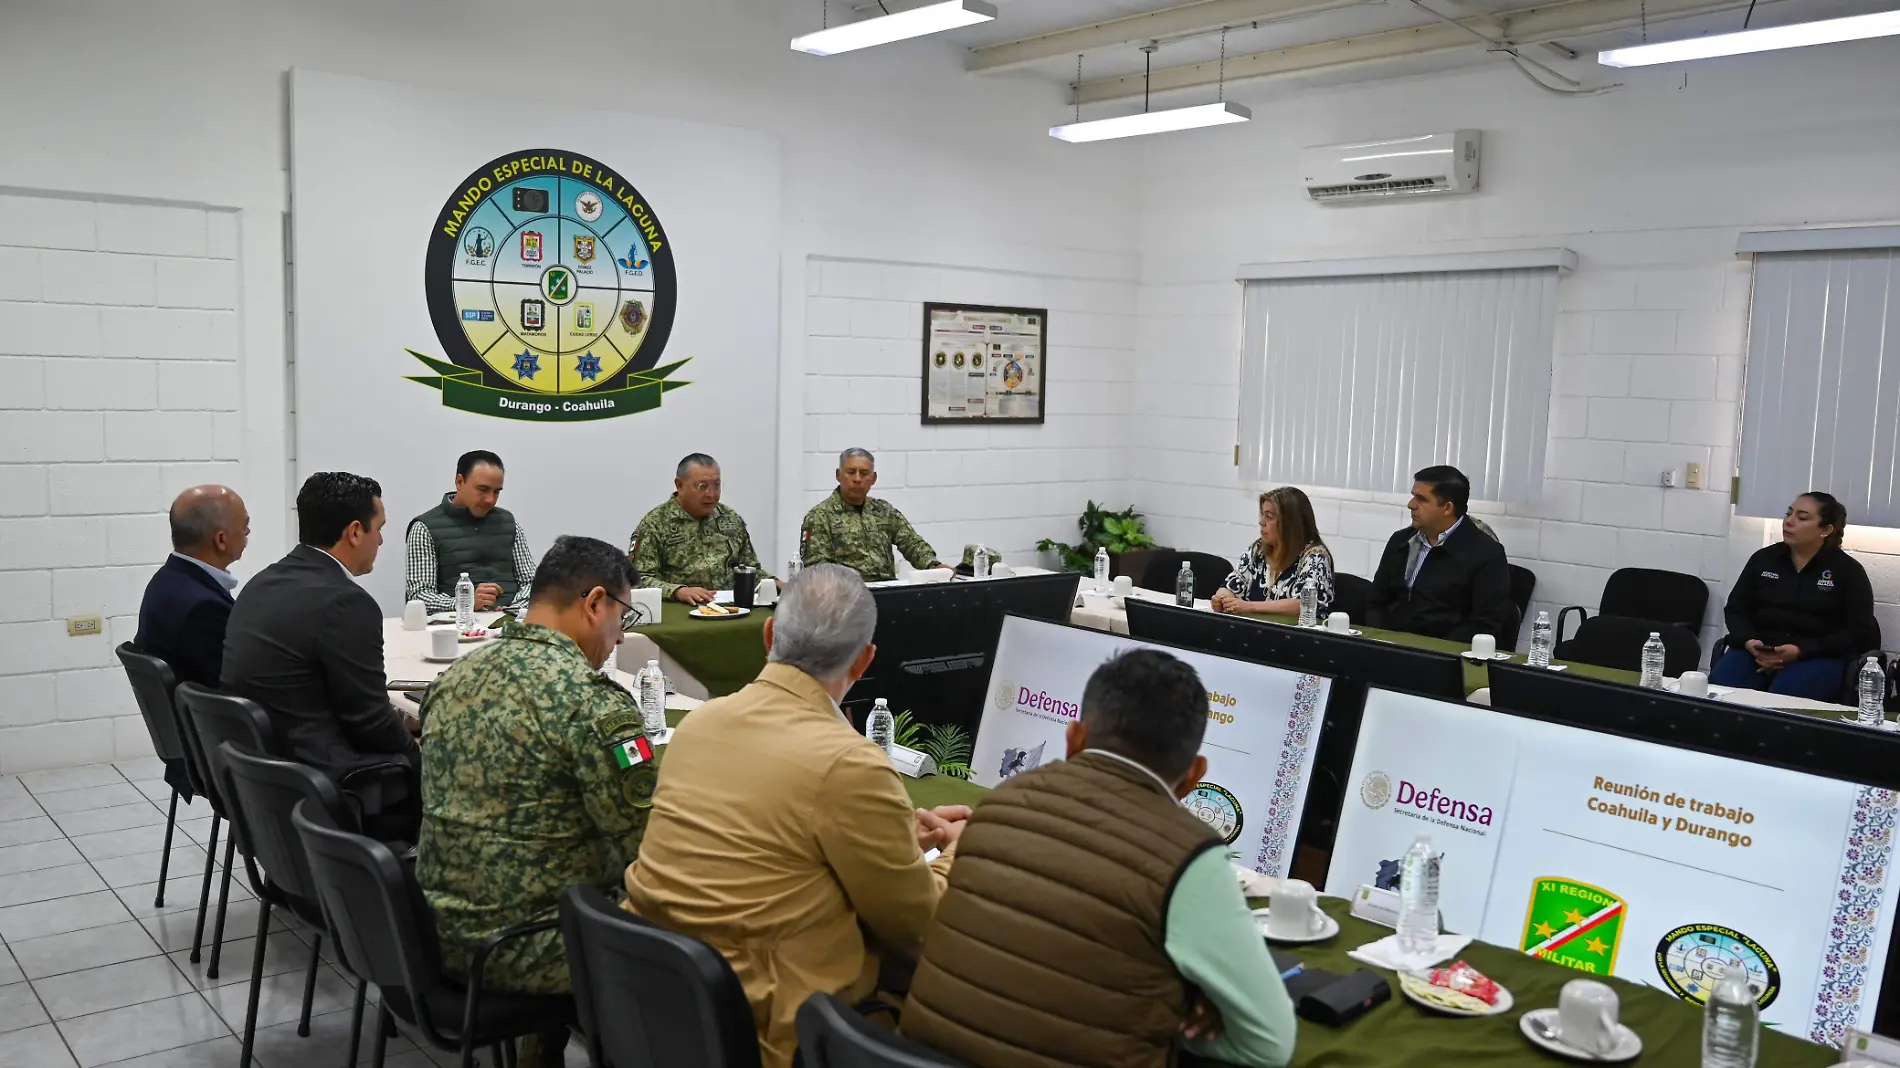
(688, 546)
(538, 772)
(850, 528)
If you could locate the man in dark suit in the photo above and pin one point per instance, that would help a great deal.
(306, 642)
(1442, 576)
(181, 619)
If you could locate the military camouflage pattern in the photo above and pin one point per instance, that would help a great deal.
(671, 549)
(524, 794)
(861, 538)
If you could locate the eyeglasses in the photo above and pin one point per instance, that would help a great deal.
(704, 486)
(618, 601)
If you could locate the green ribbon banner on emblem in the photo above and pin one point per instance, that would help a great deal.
(462, 388)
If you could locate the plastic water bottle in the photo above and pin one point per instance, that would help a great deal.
(1540, 641)
(1731, 1024)
(1101, 570)
(653, 697)
(980, 562)
(1309, 605)
(1418, 897)
(1184, 586)
(1873, 694)
(1652, 662)
(464, 603)
(880, 726)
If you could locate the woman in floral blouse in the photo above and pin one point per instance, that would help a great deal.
(1288, 558)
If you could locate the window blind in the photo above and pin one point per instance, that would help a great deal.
(1357, 382)
(1822, 405)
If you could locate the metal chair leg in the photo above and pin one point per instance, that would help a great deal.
(224, 898)
(356, 1021)
(383, 1024)
(204, 895)
(165, 858)
(310, 985)
(257, 985)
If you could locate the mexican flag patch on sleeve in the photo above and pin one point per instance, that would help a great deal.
(634, 751)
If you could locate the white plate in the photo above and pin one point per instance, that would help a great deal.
(1327, 930)
(1628, 1047)
(731, 613)
(1505, 1001)
(1469, 655)
(434, 659)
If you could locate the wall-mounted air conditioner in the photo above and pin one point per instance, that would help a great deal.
(1392, 167)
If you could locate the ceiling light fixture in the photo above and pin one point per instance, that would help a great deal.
(1152, 122)
(1800, 35)
(917, 22)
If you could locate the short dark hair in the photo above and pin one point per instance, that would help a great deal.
(330, 501)
(574, 566)
(476, 456)
(1148, 706)
(692, 460)
(1448, 484)
(1832, 513)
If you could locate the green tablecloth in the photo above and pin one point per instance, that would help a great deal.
(723, 654)
(1400, 1034)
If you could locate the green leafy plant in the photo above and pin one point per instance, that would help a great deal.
(1118, 532)
(904, 729)
(945, 743)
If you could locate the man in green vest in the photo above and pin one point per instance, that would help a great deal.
(467, 532)
(1089, 918)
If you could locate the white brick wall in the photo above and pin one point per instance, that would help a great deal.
(118, 346)
(1005, 486)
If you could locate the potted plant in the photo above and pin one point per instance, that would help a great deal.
(1118, 532)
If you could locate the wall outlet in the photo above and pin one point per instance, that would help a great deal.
(1695, 474)
(84, 626)
(1669, 479)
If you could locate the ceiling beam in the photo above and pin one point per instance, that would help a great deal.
(1525, 26)
(1201, 17)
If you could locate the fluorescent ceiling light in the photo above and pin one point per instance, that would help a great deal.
(917, 22)
(1152, 122)
(1800, 35)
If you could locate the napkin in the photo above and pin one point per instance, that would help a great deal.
(933, 574)
(1254, 884)
(1385, 953)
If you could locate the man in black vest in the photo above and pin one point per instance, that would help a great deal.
(468, 533)
(1443, 576)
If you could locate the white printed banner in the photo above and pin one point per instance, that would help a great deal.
(1613, 856)
(1262, 726)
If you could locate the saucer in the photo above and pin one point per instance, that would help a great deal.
(1328, 929)
(1500, 655)
(1629, 1045)
(431, 658)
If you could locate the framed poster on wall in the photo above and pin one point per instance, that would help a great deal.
(984, 364)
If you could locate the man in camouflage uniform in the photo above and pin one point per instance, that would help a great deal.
(850, 528)
(537, 773)
(688, 546)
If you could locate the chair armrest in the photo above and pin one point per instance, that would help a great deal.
(479, 964)
(1583, 615)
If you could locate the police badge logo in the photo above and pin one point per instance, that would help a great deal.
(583, 249)
(531, 246)
(633, 316)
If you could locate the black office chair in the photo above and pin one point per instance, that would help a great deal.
(264, 792)
(1646, 593)
(1513, 622)
(384, 929)
(152, 686)
(215, 719)
(1523, 584)
(1351, 595)
(831, 1035)
(1209, 572)
(648, 997)
(1617, 642)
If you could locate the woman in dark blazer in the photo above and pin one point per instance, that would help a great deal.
(1800, 609)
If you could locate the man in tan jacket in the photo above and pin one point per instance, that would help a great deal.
(783, 837)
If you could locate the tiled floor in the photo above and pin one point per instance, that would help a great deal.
(92, 974)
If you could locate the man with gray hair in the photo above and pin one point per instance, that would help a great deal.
(850, 528)
(688, 546)
(780, 835)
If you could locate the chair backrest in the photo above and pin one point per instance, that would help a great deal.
(376, 913)
(264, 792)
(1647, 593)
(1617, 642)
(215, 718)
(648, 997)
(1209, 571)
(152, 685)
(831, 1035)
(1523, 584)
(1351, 595)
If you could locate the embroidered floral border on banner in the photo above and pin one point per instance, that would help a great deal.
(1854, 927)
(1301, 720)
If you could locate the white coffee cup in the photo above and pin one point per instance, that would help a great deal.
(766, 593)
(1339, 623)
(443, 640)
(1587, 1017)
(1294, 911)
(1484, 645)
(1693, 684)
(415, 616)
(1124, 585)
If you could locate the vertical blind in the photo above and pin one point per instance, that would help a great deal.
(1357, 382)
(1822, 407)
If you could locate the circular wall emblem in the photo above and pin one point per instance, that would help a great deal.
(1376, 791)
(548, 275)
(1693, 958)
(1216, 807)
(1005, 694)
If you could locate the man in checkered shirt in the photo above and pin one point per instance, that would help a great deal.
(467, 532)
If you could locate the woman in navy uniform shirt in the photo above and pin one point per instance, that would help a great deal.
(1800, 609)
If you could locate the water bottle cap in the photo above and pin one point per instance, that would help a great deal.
(880, 703)
(1543, 617)
(1656, 635)
(464, 574)
(654, 664)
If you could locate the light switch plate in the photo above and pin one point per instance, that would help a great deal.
(1694, 481)
(84, 626)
